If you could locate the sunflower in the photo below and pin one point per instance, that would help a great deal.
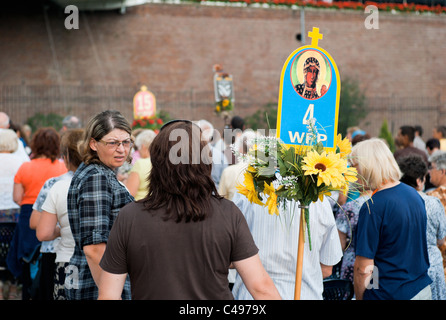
(271, 203)
(322, 194)
(328, 167)
(248, 189)
(350, 175)
(344, 146)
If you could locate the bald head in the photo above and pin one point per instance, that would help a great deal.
(4, 120)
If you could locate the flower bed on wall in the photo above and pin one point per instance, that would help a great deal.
(352, 5)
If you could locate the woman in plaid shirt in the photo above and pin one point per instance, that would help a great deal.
(94, 200)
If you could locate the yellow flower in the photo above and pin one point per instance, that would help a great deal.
(328, 167)
(345, 147)
(225, 103)
(350, 174)
(252, 171)
(271, 203)
(248, 190)
(217, 108)
(322, 194)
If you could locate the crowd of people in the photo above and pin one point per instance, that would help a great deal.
(106, 212)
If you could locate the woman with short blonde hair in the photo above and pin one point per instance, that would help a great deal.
(391, 245)
(375, 163)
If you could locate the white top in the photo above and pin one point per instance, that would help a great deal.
(49, 246)
(419, 144)
(9, 164)
(56, 203)
(277, 239)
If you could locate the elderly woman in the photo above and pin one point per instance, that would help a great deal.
(94, 199)
(414, 174)
(28, 181)
(137, 182)
(391, 245)
(178, 242)
(9, 210)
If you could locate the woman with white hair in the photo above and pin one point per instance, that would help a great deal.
(9, 210)
(391, 243)
(137, 182)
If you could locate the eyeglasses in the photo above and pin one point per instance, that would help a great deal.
(115, 144)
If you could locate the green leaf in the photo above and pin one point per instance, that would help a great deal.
(289, 157)
(282, 167)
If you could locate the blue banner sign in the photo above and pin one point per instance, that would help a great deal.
(310, 88)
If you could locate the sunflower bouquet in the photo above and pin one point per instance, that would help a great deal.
(279, 173)
(224, 106)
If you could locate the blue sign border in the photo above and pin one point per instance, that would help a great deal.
(294, 109)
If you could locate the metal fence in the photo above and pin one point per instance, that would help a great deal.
(23, 102)
(428, 112)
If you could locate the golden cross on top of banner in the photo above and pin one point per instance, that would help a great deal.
(315, 36)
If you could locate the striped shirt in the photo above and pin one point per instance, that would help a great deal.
(277, 239)
(94, 199)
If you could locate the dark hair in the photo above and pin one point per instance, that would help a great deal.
(408, 131)
(432, 143)
(69, 142)
(237, 122)
(46, 142)
(442, 130)
(18, 129)
(359, 138)
(181, 185)
(99, 126)
(418, 129)
(413, 167)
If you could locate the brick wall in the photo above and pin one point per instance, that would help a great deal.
(172, 48)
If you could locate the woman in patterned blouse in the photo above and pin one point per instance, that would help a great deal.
(414, 171)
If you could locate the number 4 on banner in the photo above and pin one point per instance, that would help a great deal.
(309, 114)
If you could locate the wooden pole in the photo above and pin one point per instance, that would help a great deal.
(300, 255)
